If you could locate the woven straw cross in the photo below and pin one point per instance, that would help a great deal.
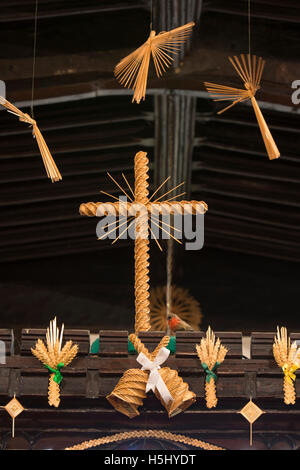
(146, 207)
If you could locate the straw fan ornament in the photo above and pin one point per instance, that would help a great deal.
(129, 393)
(132, 71)
(54, 358)
(287, 356)
(250, 69)
(49, 163)
(211, 354)
(183, 304)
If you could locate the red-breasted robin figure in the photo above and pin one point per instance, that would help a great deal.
(176, 324)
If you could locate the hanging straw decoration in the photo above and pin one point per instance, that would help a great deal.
(169, 388)
(251, 413)
(287, 357)
(49, 163)
(211, 354)
(132, 388)
(132, 71)
(13, 408)
(250, 70)
(54, 358)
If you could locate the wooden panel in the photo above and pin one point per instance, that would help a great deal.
(30, 336)
(262, 344)
(186, 341)
(7, 336)
(113, 343)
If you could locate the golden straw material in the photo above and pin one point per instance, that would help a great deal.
(147, 434)
(141, 251)
(183, 304)
(132, 71)
(140, 347)
(54, 358)
(49, 163)
(183, 398)
(287, 357)
(141, 208)
(250, 69)
(211, 354)
(130, 391)
(99, 209)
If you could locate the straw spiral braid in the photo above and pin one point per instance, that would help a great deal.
(100, 209)
(151, 433)
(141, 249)
(211, 394)
(182, 396)
(140, 347)
(53, 392)
(289, 392)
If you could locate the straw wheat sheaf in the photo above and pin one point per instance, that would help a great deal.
(287, 357)
(54, 358)
(211, 354)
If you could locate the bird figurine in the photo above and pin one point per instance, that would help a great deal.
(132, 71)
(175, 323)
(250, 70)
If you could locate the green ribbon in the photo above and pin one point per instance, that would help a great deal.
(210, 373)
(57, 374)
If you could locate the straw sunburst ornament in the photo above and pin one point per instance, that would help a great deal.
(54, 358)
(250, 70)
(132, 71)
(49, 163)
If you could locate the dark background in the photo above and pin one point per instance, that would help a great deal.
(247, 275)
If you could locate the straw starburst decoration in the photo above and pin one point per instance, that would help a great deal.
(49, 163)
(211, 354)
(287, 356)
(132, 71)
(54, 358)
(250, 70)
(127, 220)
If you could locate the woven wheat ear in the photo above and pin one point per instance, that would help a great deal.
(211, 354)
(287, 357)
(132, 71)
(250, 70)
(49, 163)
(52, 356)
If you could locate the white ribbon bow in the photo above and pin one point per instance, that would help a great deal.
(155, 380)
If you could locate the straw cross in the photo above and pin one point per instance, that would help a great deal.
(139, 210)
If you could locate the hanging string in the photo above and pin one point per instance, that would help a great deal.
(34, 56)
(151, 14)
(170, 251)
(249, 26)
